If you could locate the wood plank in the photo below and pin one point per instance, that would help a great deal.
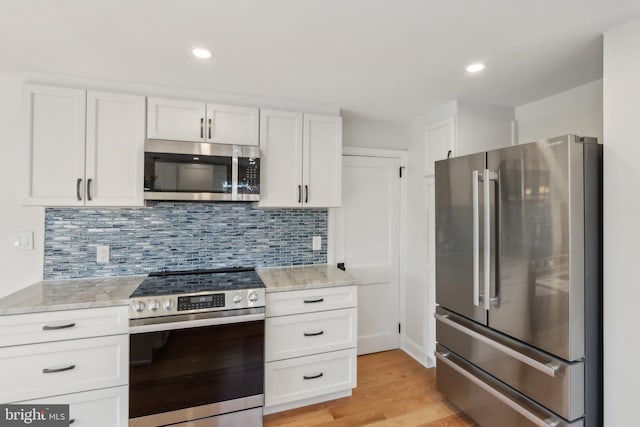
(393, 390)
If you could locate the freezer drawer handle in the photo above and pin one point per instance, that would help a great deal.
(542, 367)
(548, 422)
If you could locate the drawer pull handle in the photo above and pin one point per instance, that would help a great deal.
(54, 370)
(56, 327)
(312, 377)
(313, 334)
(311, 301)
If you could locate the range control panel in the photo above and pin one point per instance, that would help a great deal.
(167, 305)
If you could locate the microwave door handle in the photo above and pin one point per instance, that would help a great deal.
(476, 239)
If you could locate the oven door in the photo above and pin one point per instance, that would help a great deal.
(191, 367)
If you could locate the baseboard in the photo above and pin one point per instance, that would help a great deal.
(305, 402)
(416, 351)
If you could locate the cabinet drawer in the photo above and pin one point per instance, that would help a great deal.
(33, 328)
(311, 333)
(41, 370)
(108, 407)
(310, 376)
(311, 300)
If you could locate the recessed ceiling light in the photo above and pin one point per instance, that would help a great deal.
(475, 68)
(202, 53)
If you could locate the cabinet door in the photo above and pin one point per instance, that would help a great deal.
(174, 119)
(55, 121)
(115, 149)
(441, 142)
(232, 125)
(281, 159)
(322, 161)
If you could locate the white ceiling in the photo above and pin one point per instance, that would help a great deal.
(391, 59)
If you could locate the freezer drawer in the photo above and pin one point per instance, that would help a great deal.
(555, 384)
(486, 400)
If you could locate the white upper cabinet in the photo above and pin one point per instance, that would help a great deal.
(232, 125)
(322, 161)
(301, 157)
(441, 139)
(280, 159)
(56, 137)
(195, 121)
(115, 149)
(175, 119)
(100, 164)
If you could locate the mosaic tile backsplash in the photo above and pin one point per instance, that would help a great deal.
(179, 236)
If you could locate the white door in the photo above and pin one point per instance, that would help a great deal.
(321, 165)
(280, 159)
(115, 149)
(174, 119)
(56, 132)
(232, 125)
(368, 242)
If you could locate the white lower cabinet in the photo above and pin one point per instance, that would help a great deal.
(74, 357)
(305, 377)
(310, 346)
(107, 407)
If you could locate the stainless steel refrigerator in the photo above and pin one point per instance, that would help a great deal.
(519, 283)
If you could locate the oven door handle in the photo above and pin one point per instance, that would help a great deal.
(169, 326)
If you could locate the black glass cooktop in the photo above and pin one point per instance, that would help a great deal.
(184, 282)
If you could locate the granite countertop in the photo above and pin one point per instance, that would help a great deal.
(279, 279)
(53, 295)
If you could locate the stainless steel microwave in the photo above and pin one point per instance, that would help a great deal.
(176, 170)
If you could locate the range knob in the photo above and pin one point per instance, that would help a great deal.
(154, 305)
(168, 304)
(138, 306)
(237, 298)
(253, 296)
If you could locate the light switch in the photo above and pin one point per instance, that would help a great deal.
(22, 240)
(317, 243)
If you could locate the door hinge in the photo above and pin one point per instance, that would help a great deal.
(341, 266)
(399, 328)
(401, 167)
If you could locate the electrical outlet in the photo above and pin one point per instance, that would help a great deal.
(317, 243)
(102, 254)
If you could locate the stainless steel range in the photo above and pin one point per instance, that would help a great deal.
(197, 349)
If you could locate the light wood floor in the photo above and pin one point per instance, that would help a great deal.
(393, 390)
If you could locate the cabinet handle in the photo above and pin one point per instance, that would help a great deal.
(56, 327)
(306, 194)
(209, 128)
(72, 420)
(201, 127)
(54, 370)
(78, 195)
(313, 334)
(299, 193)
(312, 377)
(89, 189)
(311, 301)
(449, 154)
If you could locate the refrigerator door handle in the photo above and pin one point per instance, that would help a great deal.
(444, 357)
(545, 368)
(476, 239)
(486, 178)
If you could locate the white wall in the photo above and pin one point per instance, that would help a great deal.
(18, 268)
(366, 132)
(577, 111)
(482, 127)
(621, 224)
